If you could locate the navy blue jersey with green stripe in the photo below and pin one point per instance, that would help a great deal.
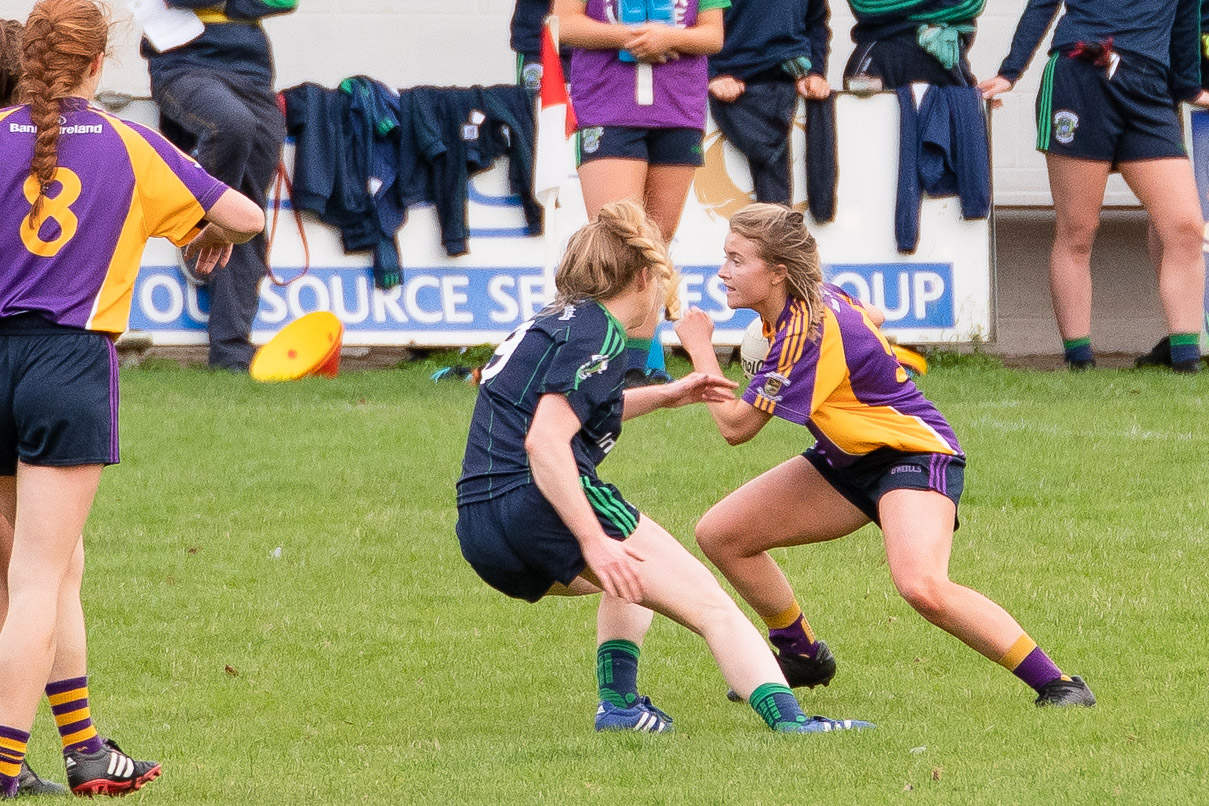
(1163, 32)
(566, 349)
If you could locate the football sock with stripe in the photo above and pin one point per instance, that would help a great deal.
(654, 357)
(1026, 660)
(1076, 350)
(777, 706)
(789, 631)
(13, 743)
(636, 352)
(69, 704)
(617, 672)
(1185, 347)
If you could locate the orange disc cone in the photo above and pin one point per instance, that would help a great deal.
(310, 345)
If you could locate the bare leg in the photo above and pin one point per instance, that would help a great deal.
(1078, 191)
(677, 585)
(618, 620)
(52, 506)
(1167, 189)
(918, 529)
(789, 505)
(665, 194)
(71, 642)
(610, 180)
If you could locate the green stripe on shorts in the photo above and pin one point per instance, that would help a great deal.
(1045, 105)
(605, 503)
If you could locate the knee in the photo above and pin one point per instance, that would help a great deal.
(1185, 234)
(928, 594)
(1075, 239)
(713, 538)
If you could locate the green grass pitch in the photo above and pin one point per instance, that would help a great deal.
(279, 612)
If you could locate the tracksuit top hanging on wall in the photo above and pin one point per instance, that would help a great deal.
(364, 155)
(942, 152)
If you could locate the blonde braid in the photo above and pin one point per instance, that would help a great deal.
(630, 223)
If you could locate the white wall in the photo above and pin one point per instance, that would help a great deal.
(459, 42)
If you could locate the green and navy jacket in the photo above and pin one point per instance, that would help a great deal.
(573, 350)
(883, 19)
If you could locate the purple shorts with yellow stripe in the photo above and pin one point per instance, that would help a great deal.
(864, 482)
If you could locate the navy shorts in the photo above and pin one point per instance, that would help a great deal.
(517, 543)
(1085, 114)
(899, 60)
(864, 483)
(58, 395)
(652, 146)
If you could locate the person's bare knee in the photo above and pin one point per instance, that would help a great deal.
(925, 592)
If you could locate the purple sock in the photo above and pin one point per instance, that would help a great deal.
(793, 639)
(12, 753)
(1037, 669)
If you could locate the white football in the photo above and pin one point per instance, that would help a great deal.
(753, 348)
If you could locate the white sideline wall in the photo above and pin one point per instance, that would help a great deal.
(463, 42)
(409, 42)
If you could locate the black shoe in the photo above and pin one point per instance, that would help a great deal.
(108, 771)
(29, 783)
(1159, 355)
(801, 670)
(1059, 693)
(1189, 367)
(1081, 366)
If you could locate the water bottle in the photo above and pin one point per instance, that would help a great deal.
(630, 12)
(661, 11)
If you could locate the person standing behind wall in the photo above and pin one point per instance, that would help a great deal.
(640, 94)
(913, 41)
(216, 100)
(775, 50)
(1109, 100)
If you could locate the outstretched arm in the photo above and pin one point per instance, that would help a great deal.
(737, 420)
(697, 387)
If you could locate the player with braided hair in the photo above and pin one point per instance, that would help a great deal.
(534, 517)
(884, 454)
(80, 193)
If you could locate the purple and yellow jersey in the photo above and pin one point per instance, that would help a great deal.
(845, 385)
(116, 185)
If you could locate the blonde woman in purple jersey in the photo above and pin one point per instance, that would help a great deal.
(80, 194)
(883, 454)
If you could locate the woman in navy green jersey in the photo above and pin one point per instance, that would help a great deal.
(1109, 100)
(80, 193)
(534, 516)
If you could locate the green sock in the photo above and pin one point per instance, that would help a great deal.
(777, 706)
(617, 672)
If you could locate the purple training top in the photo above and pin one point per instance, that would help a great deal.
(604, 88)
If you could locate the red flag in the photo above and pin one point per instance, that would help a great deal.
(555, 123)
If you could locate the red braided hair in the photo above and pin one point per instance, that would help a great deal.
(60, 42)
